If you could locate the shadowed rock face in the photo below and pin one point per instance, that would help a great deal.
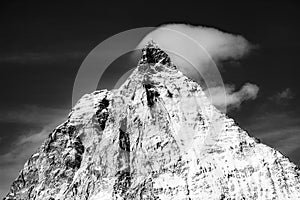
(156, 137)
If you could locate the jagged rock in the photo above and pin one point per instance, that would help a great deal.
(156, 137)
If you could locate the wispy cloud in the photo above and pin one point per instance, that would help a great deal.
(27, 142)
(279, 130)
(234, 98)
(38, 57)
(32, 114)
(283, 97)
(13, 161)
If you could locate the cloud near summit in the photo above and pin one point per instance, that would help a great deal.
(198, 52)
(234, 98)
(199, 44)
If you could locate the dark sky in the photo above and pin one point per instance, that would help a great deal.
(43, 44)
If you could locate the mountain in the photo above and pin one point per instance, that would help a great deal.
(156, 137)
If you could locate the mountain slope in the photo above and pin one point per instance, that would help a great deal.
(156, 137)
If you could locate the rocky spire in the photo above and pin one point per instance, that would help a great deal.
(152, 54)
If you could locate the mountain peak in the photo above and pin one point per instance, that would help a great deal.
(153, 54)
(156, 137)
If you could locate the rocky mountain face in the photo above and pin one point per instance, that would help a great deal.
(156, 137)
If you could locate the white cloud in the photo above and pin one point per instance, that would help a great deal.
(233, 99)
(198, 44)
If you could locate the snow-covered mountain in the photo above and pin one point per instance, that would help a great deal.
(156, 137)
